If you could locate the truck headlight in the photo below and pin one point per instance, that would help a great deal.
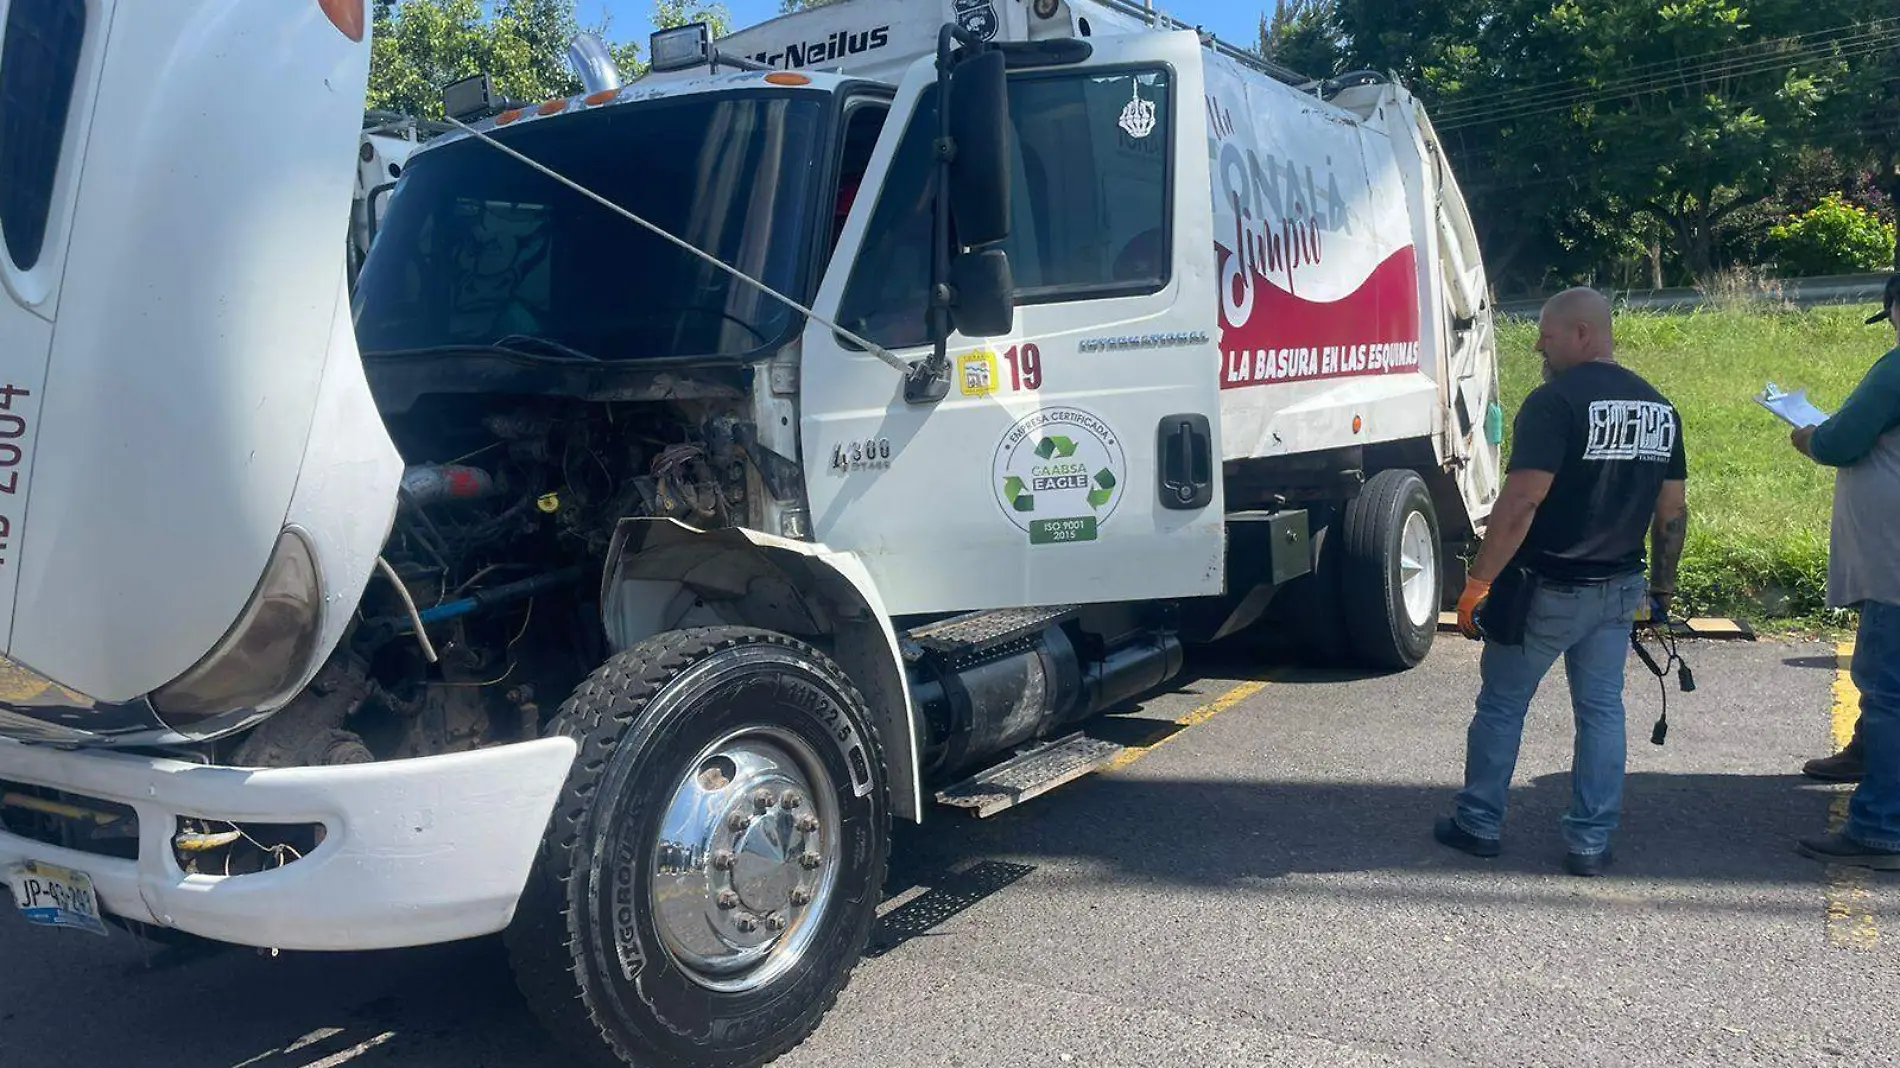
(260, 660)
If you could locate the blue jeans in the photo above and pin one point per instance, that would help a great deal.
(1589, 626)
(1873, 817)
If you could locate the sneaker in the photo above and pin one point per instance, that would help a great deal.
(1843, 766)
(1840, 849)
(1447, 831)
(1587, 864)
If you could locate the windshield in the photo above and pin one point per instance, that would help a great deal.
(476, 246)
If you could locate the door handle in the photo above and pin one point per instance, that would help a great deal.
(1184, 456)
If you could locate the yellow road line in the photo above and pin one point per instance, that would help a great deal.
(1846, 696)
(1850, 896)
(1180, 726)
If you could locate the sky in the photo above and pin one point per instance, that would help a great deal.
(1235, 23)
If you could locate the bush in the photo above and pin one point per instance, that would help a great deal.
(1833, 237)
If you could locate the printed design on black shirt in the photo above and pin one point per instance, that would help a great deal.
(1630, 430)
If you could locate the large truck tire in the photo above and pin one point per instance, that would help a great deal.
(1390, 571)
(711, 873)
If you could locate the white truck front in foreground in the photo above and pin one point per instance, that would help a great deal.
(614, 589)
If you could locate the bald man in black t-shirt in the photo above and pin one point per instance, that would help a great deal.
(1597, 464)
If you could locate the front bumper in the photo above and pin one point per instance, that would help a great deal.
(415, 851)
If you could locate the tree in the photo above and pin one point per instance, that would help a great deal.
(668, 14)
(1719, 134)
(420, 46)
(1591, 137)
(1303, 35)
(786, 7)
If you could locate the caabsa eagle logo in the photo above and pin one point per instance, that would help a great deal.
(979, 18)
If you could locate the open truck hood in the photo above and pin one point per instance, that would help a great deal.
(179, 383)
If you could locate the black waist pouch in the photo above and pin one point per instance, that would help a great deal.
(1508, 607)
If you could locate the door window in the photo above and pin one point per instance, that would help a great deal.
(1089, 201)
(38, 64)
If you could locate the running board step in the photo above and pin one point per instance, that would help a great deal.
(1030, 774)
(978, 631)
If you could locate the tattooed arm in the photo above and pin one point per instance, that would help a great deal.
(1666, 535)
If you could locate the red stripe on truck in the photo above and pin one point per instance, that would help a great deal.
(1373, 330)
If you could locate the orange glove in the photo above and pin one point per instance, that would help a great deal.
(1476, 590)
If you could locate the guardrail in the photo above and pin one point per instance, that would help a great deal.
(1801, 292)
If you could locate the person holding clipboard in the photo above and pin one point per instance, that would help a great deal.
(1862, 443)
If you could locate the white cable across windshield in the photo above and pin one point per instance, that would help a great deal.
(873, 348)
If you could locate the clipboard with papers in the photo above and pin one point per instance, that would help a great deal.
(1795, 408)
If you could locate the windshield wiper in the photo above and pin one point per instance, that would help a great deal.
(523, 342)
(538, 348)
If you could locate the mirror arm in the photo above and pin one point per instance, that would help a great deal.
(929, 379)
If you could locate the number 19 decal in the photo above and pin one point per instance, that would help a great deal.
(1025, 366)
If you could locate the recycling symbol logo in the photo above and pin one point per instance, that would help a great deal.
(1059, 475)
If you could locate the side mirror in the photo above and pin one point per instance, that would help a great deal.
(979, 127)
(973, 291)
(985, 293)
(373, 218)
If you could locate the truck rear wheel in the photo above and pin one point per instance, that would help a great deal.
(1389, 581)
(712, 871)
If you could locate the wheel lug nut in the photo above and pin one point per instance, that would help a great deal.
(723, 860)
(790, 799)
(808, 823)
(801, 896)
(728, 899)
(810, 860)
(775, 922)
(762, 799)
(739, 821)
(746, 924)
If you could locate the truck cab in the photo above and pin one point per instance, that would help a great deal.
(698, 473)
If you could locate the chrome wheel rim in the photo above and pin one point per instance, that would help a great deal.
(1418, 569)
(746, 860)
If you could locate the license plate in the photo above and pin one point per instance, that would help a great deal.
(56, 897)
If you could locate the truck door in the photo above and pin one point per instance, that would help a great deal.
(1073, 460)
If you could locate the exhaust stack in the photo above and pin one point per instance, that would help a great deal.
(593, 64)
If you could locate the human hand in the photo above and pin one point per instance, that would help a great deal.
(1476, 590)
(1800, 439)
(1659, 602)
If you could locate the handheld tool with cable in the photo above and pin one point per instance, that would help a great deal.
(1658, 621)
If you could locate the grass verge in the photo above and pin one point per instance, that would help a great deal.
(1759, 511)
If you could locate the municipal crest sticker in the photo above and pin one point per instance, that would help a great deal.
(978, 18)
(976, 373)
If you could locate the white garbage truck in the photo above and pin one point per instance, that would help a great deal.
(382, 150)
(704, 471)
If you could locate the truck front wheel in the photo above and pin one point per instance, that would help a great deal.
(1389, 580)
(712, 871)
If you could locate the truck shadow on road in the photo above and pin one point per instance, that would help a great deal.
(1689, 828)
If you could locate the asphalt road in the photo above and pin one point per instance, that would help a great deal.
(1260, 888)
